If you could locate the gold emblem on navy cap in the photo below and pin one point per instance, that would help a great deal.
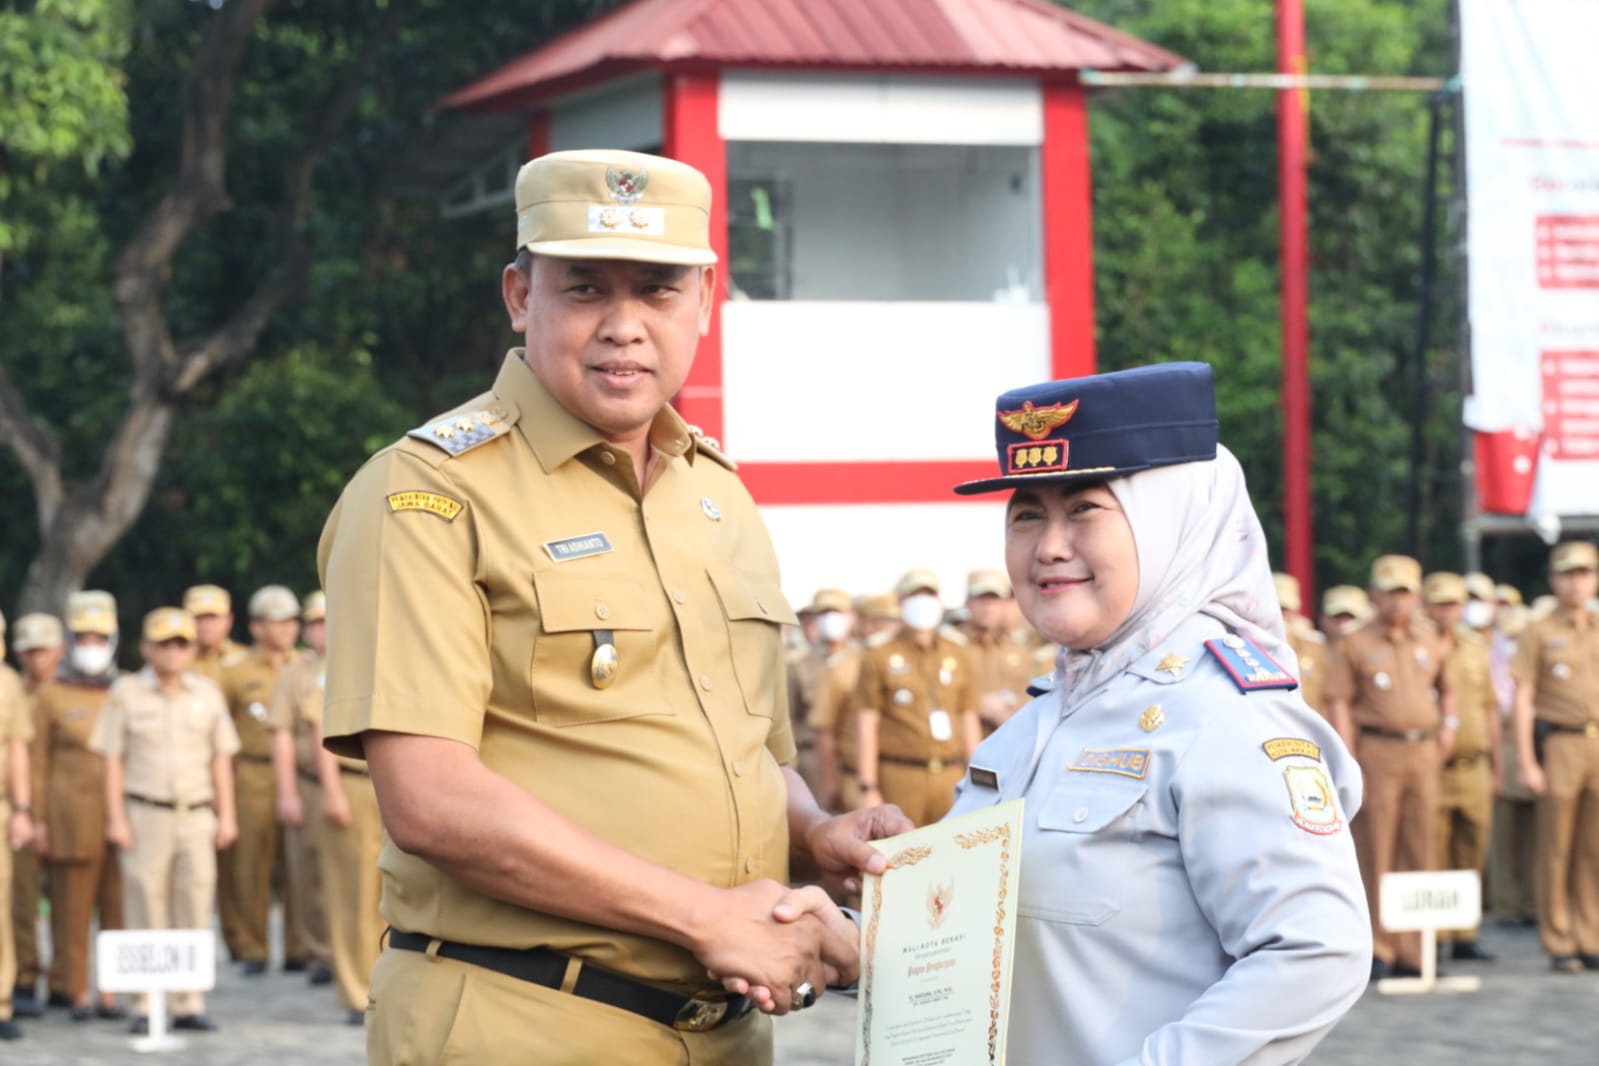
(1036, 423)
(626, 185)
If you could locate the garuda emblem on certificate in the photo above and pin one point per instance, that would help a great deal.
(939, 897)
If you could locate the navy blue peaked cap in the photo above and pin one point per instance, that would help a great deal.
(1103, 426)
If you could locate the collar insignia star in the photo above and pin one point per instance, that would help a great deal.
(1174, 664)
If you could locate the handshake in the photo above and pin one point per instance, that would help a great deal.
(783, 946)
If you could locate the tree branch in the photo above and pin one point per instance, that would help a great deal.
(35, 447)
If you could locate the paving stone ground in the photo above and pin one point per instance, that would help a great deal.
(1524, 1016)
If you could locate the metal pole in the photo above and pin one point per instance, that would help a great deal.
(1291, 104)
(1424, 301)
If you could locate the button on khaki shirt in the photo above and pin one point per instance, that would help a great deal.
(1389, 680)
(166, 742)
(1561, 663)
(467, 594)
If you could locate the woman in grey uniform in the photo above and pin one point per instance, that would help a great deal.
(1189, 891)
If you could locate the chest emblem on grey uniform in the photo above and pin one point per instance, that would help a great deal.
(713, 512)
(579, 547)
(1382, 681)
(1152, 718)
(1174, 664)
(1128, 762)
(1310, 798)
(1561, 671)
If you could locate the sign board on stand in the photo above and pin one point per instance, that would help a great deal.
(1426, 902)
(156, 961)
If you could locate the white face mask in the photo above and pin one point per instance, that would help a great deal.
(921, 611)
(91, 659)
(833, 626)
(1479, 615)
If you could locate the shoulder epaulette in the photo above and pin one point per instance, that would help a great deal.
(710, 447)
(953, 635)
(1250, 668)
(463, 431)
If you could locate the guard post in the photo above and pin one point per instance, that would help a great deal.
(156, 961)
(1426, 902)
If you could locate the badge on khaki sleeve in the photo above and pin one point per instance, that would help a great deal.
(1311, 802)
(430, 502)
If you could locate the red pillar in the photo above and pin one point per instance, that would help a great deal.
(1068, 230)
(538, 133)
(1291, 193)
(691, 135)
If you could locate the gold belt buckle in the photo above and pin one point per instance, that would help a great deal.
(935, 765)
(1591, 729)
(180, 807)
(698, 1015)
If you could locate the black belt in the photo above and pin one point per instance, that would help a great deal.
(353, 772)
(1587, 729)
(1410, 735)
(253, 758)
(168, 805)
(1460, 762)
(935, 765)
(541, 966)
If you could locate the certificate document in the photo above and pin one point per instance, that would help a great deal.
(939, 933)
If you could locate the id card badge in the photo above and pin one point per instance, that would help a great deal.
(939, 725)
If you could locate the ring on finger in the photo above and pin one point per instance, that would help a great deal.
(804, 996)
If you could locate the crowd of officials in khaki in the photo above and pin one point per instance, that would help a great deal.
(149, 799)
(155, 799)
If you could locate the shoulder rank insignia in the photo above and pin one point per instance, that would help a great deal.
(1250, 668)
(711, 447)
(461, 432)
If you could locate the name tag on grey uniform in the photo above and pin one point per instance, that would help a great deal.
(578, 547)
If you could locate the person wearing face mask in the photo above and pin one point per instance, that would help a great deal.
(916, 708)
(1466, 784)
(1310, 647)
(825, 624)
(84, 874)
(833, 717)
(1189, 891)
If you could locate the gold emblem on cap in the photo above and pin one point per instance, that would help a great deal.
(1152, 718)
(627, 186)
(638, 218)
(603, 666)
(1036, 423)
(1173, 664)
(610, 218)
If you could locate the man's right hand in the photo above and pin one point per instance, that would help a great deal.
(1533, 779)
(118, 832)
(336, 807)
(747, 949)
(41, 839)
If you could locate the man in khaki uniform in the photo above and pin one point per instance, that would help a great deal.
(245, 881)
(1466, 785)
(1380, 691)
(877, 620)
(1002, 664)
(827, 624)
(39, 643)
(1557, 701)
(212, 609)
(168, 745)
(1513, 858)
(1309, 646)
(1343, 608)
(299, 785)
(16, 811)
(916, 709)
(83, 870)
(555, 636)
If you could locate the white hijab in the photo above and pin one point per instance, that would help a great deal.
(1201, 551)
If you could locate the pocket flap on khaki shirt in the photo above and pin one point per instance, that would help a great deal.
(745, 596)
(575, 601)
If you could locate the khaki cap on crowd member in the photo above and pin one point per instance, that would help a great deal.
(828, 600)
(274, 603)
(315, 608)
(37, 631)
(169, 623)
(1345, 599)
(1445, 587)
(1509, 595)
(881, 607)
(917, 580)
(1287, 586)
(207, 599)
(1573, 555)
(988, 583)
(1479, 586)
(92, 612)
(1393, 573)
(614, 205)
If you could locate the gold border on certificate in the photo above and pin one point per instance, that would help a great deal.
(1002, 834)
